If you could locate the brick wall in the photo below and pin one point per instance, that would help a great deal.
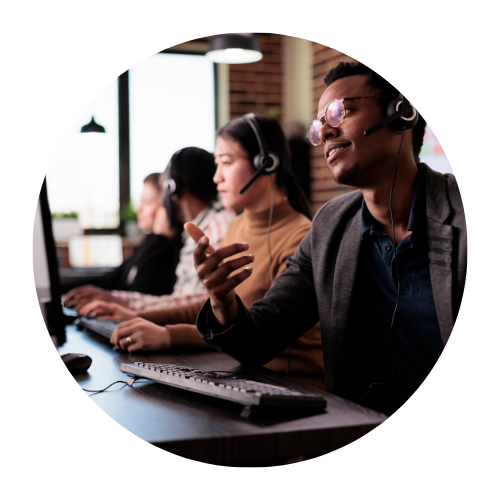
(257, 87)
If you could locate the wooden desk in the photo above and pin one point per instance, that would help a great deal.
(208, 429)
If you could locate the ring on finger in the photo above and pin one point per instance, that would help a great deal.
(129, 340)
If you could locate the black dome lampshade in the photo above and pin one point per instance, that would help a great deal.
(93, 126)
(234, 48)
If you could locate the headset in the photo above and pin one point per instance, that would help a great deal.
(265, 162)
(397, 117)
(169, 188)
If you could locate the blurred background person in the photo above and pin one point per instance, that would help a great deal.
(189, 195)
(151, 268)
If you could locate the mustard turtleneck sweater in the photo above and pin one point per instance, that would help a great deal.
(304, 358)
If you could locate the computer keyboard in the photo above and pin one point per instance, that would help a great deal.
(228, 386)
(102, 327)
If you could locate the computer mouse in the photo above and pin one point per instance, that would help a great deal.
(77, 363)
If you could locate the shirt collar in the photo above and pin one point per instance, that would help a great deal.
(417, 212)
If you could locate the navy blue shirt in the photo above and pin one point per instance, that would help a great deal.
(402, 359)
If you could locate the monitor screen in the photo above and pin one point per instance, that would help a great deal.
(46, 271)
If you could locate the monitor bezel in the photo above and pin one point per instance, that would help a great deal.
(55, 318)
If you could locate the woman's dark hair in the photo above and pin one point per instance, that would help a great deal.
(239, 130)
(194, 169)
(386, 91)
(154, 180)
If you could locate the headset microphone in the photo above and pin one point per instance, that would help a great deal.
(396, 116)
(253, 179)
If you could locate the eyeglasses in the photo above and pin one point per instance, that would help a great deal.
(334, 115)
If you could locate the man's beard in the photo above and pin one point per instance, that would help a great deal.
(346, 178)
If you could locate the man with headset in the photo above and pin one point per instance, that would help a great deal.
(386, 310)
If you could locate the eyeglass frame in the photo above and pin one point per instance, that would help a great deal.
(322, 119)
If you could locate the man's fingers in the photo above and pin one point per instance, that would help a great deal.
(202, 250)
(219, 255)
(196, 234)
(194, 231)
(222, 291)
(222, 272)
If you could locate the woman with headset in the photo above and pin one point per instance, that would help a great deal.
(253, 174)
(150, 269)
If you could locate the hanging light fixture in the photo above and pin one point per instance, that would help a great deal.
(93, 126)
(234, 48)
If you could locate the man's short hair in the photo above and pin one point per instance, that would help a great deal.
(384, 88)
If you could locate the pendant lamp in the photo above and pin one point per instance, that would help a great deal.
(93, 126)
(234, 48)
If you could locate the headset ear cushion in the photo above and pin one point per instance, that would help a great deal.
(258, 159)
(408, 121)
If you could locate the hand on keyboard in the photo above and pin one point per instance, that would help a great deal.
(108, 311)
(140, 334)
(82, 295)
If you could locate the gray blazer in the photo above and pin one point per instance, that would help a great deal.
(319, 280)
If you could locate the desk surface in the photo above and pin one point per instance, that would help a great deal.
(208, 429)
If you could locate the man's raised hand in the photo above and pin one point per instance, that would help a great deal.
(218, 274)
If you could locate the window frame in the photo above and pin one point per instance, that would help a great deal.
(197, 49)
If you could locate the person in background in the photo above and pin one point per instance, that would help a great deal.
(275, 218)
(189, 195)
(151, 268)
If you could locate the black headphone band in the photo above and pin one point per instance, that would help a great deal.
(265, 160)
(170, 187)
(251, 120)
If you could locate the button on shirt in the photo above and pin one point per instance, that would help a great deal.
(415, 339)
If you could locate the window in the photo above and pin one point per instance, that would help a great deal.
(171, 104)
(432, 153)
(83, 175)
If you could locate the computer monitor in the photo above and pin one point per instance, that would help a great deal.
(46, 270)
